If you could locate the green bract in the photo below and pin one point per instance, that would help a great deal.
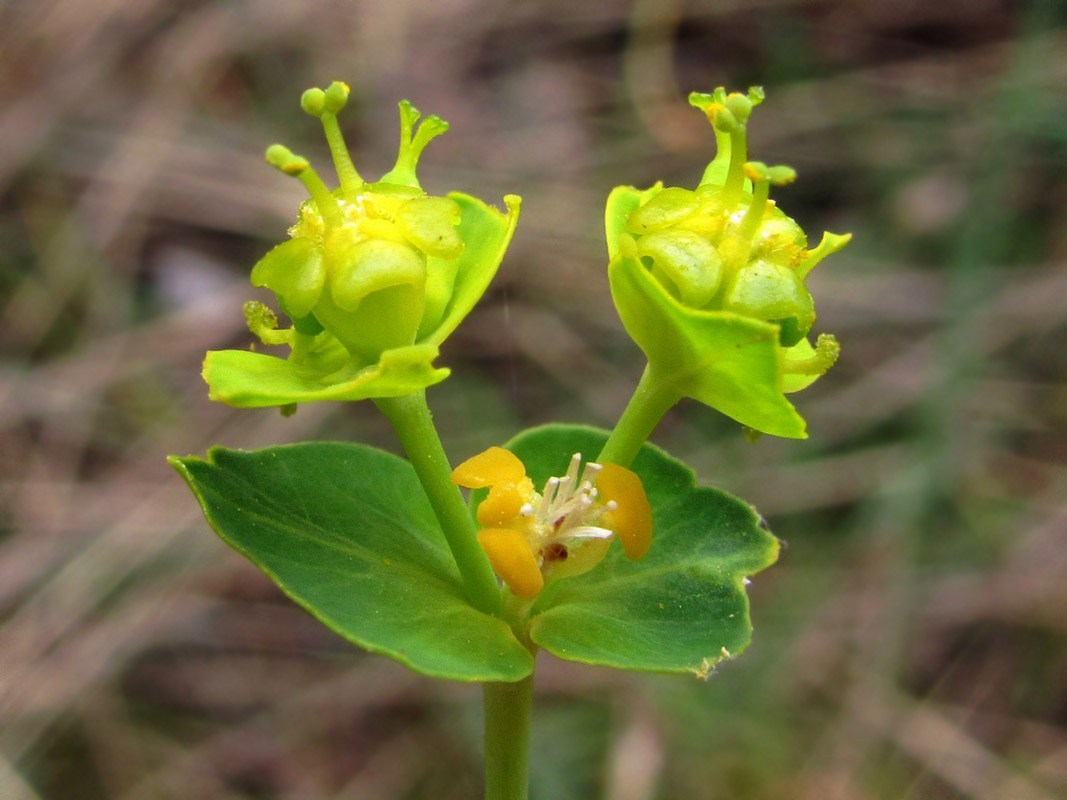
(710, 282)
(374, 277)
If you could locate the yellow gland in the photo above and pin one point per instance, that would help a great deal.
(566, 529)
(504, 502)
(495, 465)
(510, 555)
(631, 519)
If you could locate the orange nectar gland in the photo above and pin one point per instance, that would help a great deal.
(565, 529)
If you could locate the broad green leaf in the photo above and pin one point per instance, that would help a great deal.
(347, 532)
(683, 607)
(246, 379)
(728, 361)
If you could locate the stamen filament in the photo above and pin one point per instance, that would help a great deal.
(546, 498)
(756, 209)
(589, 532)
(324, 200)
(282, 158)
(572, 468)
(735, 177)
(351, 182)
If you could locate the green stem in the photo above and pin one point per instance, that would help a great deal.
(652, 399)
(508, 708)
(414, 426)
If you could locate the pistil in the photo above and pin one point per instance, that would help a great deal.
(282, 158)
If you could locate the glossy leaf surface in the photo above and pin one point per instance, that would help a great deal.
(347, 532)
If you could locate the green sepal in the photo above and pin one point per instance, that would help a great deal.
(347, 532)
(362, 268)
(293, 270)
(254, 380)
(683, 607)
(664, 209)
(430, 224)
(767, 290)
(622, 202)
(454, 287)
(728, 361)
(686, 263)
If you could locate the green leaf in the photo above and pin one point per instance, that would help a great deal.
(254, 380)
(728, 361)
(683, 607)
(347, 532)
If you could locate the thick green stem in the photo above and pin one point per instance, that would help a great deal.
(508, 708)
(414, 426)
(652, 399)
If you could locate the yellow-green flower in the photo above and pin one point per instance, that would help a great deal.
(566, 529)
(710, 282)
(373, 278)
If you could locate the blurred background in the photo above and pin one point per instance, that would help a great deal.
(912, 642)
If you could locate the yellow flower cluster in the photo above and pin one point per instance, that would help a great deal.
(565, 529)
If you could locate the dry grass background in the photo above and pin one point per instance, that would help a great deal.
(913, 641)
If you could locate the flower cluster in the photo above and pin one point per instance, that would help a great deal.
(563, 530)
(699, 275)
(374, 276)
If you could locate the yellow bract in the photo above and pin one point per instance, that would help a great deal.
(495, 465)
(512, 560)
(631, 519)
(505, 501)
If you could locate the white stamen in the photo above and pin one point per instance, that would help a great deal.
(546, 499)
(589, 532)
(568, 508)
(592, 469)
(572, 468)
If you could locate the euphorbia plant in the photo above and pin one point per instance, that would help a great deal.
(391, 553)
